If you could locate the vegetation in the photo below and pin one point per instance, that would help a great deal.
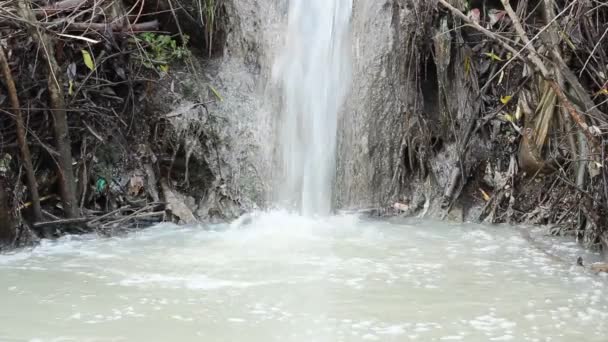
(529, 78)
(526, 77)
(160, 50)
(81, 152)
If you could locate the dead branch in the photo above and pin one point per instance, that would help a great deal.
(61, 6)
(115, 27)
(129, 217)
(61, 222)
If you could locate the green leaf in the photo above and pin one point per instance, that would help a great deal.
(467, 65)
(493, 56)
(71, 88)
(567, 40)
(88, 61)
(506, 99)
(216, 93)
(164, 68)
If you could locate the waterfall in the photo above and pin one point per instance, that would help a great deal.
(313, 70)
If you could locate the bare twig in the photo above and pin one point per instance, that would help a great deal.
(116, 28)
(61, 222)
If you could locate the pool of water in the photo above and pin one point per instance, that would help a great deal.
(278, 277)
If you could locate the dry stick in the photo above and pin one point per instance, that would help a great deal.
(21, 136)
(97, 219)
(141, 9)
(116, 27)
(65, 5)
(29, 204)
(57, 102)
(599, 43)
(53, 217)
(128, 217)
(61, 222)
(85, 174)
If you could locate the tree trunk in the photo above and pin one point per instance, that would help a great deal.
(57, 103)
(7, 227)
(21, 136)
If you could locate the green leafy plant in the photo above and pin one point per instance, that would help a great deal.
(159, 50)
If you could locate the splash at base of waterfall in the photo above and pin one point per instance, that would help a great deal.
(314, 73)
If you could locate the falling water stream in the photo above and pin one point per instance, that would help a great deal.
(276, 276)
(314, 72)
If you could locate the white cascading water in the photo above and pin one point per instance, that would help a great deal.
(314, 73)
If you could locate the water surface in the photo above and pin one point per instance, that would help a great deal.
(286, 278)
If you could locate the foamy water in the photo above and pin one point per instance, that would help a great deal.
(277, 277)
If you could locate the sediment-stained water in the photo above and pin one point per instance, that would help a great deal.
(277, 277)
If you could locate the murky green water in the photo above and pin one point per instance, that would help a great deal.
(285, 278)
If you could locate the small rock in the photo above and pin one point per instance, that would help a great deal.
(177, 206)
(599, 267)
(401, 207)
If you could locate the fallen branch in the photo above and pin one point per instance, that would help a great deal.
(61, 6)
(61, 222)
(129, 217)
(29, 204)
(118, 27)
(114, 212)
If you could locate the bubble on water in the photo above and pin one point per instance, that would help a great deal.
(452, 338)
(236, 320)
